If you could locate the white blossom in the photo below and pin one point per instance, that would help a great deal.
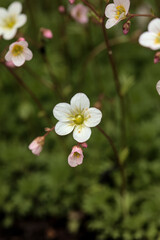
(116, 12)
(11, 20)
(77, 117)
(151, 39)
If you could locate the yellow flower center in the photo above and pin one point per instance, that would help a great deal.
(17, 50)
(157, 39)
(76, 154)
(120, 10)
(9, 22)
(79, 119)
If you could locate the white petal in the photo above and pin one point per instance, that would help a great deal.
(18, 60)
(94, 117)
(147, 39)
(124, 3)
(79, 102)
(110, 10)
(158, 87)
(28, 54)
(15, 8)
(62, 128)
(21, 20)
(62, 111)
(9, 34)
(81, 133)
(8, 56)
(3, 13)
(23, 43)
(111, 22)
(154, 26)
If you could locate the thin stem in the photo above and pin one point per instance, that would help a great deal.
(118, 162)
(92, 9)
(140, 15)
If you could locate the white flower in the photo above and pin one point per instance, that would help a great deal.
(158, 87)
(76, 116)
(116, 12)
(11, 20)
(19, 53)
(151, 39)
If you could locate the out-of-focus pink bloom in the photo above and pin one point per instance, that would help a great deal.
(19, 53)
(157, 57)
(80, 13)
(84, 145)
(75, 158)
(47, 33)
(21, 39)
(126, 27)
(36, 145)
(71, 1)
(61, 9)
(10, 64)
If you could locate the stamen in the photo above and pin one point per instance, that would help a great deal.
(9, 22)
(120, 10)
(76, 154)
(79, 119)
(17, 50)
(157, 39)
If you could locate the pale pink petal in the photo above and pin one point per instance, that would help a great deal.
(23, 43)
(111, 22)
(18, 60)
(64, 128)
(28, 54)
(80, 102)
(62, 111)
(93, 117)
(15, 8)
(110, 10)
(8, 56)
(154, 26)
(75, 159)
(37, 150)
(81, 133)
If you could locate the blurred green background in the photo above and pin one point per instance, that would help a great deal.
(83, 202)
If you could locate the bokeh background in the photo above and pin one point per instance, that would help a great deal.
(43, 197)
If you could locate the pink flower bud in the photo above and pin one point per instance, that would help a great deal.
(61, 9)
(157, 57)
(47, 33)
(36, 145)
(71, 1)
(21, 39)
(10, 64)
(84, 145)
(126, 27)
(75, 158)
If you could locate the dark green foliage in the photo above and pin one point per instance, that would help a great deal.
(46, 185)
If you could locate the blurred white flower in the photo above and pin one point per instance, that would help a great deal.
(18, 53)
(76, 116)
(116, 12)
(80, 13)
(151, 39)
(11, 20)
(158, 87)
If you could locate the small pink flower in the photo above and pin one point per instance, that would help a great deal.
(36, 145)
(71, 1)
(80, 13)
(157, 57)
(61, 9)
(126, 27)
(19, 53)
(47, 33)
(75, 158)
